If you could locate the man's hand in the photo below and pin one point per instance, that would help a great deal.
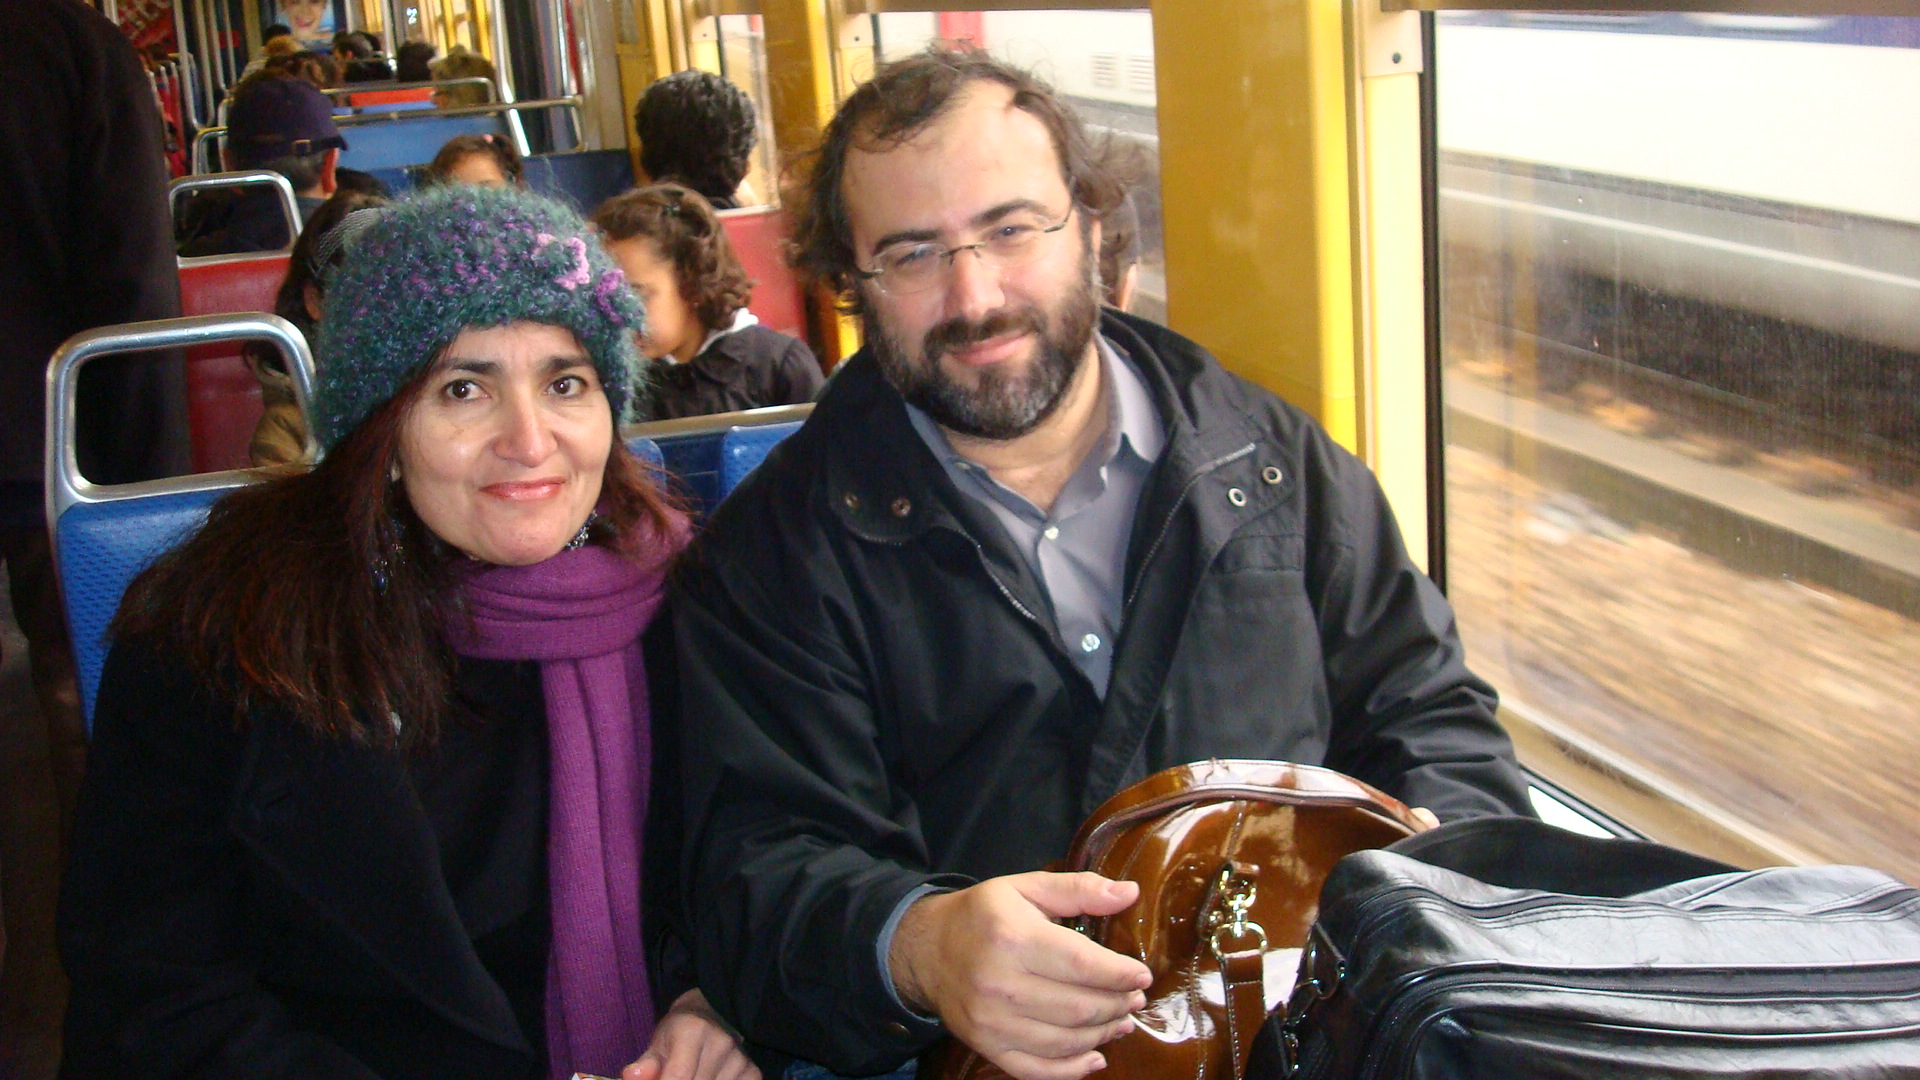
(1426, 817)
(691, 1042)
(1030, 995)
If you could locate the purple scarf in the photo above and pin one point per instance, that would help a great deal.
(580, 614)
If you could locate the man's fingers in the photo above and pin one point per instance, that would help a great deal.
(1066, 957)
(683, 1056)
(1070, 1006)
(1063, 896)
(647, 1068)
(1057, 1043)
(1426, 817)
(1023, 1066)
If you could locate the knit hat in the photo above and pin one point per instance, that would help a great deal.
(457, 258)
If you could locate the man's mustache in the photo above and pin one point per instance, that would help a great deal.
(958, 333)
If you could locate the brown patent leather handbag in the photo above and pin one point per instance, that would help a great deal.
(1230, 856)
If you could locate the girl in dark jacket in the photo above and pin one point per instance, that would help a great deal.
(709, 354)
(371, 755)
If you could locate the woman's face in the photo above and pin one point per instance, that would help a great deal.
(303, 17)
(504, 453)
(478, 170)
(672, 328)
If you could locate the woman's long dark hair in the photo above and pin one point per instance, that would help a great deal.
(322, 593)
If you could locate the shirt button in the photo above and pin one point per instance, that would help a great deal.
(1051, 532)
(1090, 643)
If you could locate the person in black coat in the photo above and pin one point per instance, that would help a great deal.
(371, 753)
(84, 243)
(710, 355)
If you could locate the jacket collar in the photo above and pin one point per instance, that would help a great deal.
(886, 486)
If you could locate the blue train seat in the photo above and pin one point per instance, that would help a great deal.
(742, 449)
(583, 178)
(708, 455)
(105, 535)
(646, 450)
(411, 139)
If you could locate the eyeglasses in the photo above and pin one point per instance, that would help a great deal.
(912, 268)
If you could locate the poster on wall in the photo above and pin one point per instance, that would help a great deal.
(312, 21)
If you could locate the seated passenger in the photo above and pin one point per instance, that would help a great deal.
(359, 58)
(278, 124)
(280, 438)
(482, 160)
(1024, 553)
(413, 62)
(709, 354)
(370, 757)
(462, 63)
(697, 129)
(1120, 253)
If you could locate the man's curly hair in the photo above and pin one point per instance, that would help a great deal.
(697, 129)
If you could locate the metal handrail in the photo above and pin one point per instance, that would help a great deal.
(689, 425)
(289, 204)
(65, 486)
(510, 108)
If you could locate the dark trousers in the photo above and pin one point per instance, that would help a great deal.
(42, 757)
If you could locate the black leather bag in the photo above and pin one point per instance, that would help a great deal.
(1511, 949)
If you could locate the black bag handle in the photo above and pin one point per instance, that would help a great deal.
(1521, 853)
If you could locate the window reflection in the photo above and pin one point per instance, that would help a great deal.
(1681, 329)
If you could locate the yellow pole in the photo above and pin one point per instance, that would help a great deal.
(1255, 178)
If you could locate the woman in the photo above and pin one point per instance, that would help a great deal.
(370, 756)
(280, 438)
(710, 355)
(482, 160)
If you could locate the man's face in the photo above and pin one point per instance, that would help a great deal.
(987, 351)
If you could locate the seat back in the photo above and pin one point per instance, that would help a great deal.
(694, 449)
(584, 178)
(759, 235)
(223, 397)
(416, 98)
(104, 535)
(742, 449)
(411, 138)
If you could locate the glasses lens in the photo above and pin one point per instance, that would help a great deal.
(1011, 245)
(911, 269)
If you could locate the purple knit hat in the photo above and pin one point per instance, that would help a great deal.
(457, 258)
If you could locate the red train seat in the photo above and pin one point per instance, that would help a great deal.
(223, 397)
(759, 237)
(365, 98)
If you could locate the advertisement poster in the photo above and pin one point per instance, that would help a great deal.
(311, 21)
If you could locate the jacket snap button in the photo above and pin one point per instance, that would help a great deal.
(1236, 497)
(1271, 474)
(852, 501)
(901, 507)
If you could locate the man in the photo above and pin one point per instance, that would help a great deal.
(697, 129)
(83, 225)
(1022, 555)
(278, 124)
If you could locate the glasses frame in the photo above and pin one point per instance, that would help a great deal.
(947, 255)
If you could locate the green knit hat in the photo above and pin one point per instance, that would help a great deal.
(457, 258)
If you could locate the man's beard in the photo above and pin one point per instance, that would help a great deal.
(1002, 404)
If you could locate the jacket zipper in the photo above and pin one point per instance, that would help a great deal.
(1167, 522)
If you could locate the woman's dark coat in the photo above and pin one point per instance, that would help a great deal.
(256, 902)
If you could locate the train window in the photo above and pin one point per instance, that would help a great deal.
(1680, 300)
(735, 46)
(1101, 61)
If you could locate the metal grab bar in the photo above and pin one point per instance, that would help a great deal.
(511, 108)
(65, 486)
(289, 204)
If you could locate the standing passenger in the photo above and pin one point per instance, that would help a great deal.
(697, 129)
(371, 752)
(1023, 554)
(84, 242)
(709, 353)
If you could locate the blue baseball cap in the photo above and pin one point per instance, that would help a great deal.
(277, 117)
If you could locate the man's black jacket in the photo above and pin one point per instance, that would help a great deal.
(875, 696)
